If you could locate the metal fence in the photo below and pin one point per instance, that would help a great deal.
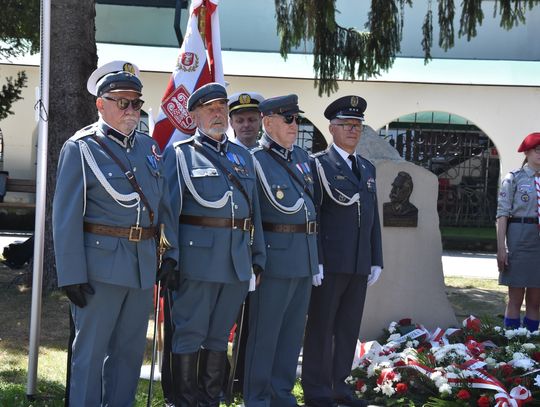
(465, 162)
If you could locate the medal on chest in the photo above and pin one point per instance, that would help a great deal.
(305, 170)
(238, 163)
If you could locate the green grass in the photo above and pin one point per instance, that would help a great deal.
(468, 233)
(468, 296)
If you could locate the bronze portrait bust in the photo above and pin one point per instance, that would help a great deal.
(400, 211)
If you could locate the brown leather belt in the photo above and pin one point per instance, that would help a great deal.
(308, 228)
(523, 220)
(242, 224)
(133, 234)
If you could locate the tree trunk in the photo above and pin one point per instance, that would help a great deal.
(71, 107)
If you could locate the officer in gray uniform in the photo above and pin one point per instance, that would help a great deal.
(245, 118)
(214, 197)
(350, 255)
(278, 307)
(110, 200)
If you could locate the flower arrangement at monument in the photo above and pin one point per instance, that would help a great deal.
(480, 365)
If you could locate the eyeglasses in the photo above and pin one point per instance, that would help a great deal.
(349, 127)
(289, 118)
(123, 103)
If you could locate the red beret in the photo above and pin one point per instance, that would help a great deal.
(531, 141)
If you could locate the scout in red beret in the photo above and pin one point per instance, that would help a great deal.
(530, 142)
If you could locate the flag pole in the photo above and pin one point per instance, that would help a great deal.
(41, 183)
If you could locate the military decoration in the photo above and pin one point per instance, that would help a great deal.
(280, 194)
(305, 170)
(238, 163)
(370, 184)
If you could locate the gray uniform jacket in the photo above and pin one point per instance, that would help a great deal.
(80, 197)
(289, 255)
(214, 254)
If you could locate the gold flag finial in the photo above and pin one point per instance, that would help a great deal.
(202, 22)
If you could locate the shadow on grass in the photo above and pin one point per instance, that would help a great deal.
(13, 391)
(476, 301)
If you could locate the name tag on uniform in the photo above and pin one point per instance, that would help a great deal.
(204, 172)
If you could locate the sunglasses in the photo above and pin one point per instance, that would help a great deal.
(349, 127)
(289, 118)
(123, 103)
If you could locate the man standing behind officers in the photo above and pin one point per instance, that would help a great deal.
(110, 199)
(350, 254)
(215, 201)
(278, 307)
(245, 118)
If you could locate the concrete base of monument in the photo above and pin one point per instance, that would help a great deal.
(412, 282)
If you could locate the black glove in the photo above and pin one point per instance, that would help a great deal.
(257, 270)
(76, 292)
(169, 277)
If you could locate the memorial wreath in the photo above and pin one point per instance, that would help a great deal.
(480, 364)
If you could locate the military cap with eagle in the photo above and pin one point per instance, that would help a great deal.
(244, 100)
(346, 107)
(95, 83)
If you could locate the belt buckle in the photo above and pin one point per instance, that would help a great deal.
(135, 233)
(311, 227)
(247, 224)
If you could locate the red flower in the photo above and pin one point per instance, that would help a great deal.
(473, 324)
(463, 394)
(405, 321)
(536, 356)
(506, 370)
(400, 363)
(483, 401)
(359, 385)
(401, 388)
(517, 380)
(386, 374)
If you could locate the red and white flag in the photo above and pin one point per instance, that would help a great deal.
(199, 63)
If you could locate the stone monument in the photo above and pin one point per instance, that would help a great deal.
(412, 282)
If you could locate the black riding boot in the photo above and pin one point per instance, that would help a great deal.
(211, 376)
(185, 379)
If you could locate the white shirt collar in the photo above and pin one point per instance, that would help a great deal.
(344, 155)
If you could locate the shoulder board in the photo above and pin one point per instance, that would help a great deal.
(319, 154)
(367, 162)
(185, 141)
(256, 149)
(516, 171)
(84, 132)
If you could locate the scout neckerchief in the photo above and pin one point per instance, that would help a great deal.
(290, 172)
(199, 147)
(129, 175)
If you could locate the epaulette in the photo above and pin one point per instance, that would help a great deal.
(84, 132)
(366, 161)
(319, 154)
(185, 141)
(256, 149)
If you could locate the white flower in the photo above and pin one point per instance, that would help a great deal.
(387, 388)
(524, 363)
(537, 380)
(392, 327)
(497, 329)
(445, 388)
(490, 361)
(528, 346)
(409, 344)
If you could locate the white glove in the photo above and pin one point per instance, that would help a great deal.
(252, 282)
(374, 275)
(318, 278)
